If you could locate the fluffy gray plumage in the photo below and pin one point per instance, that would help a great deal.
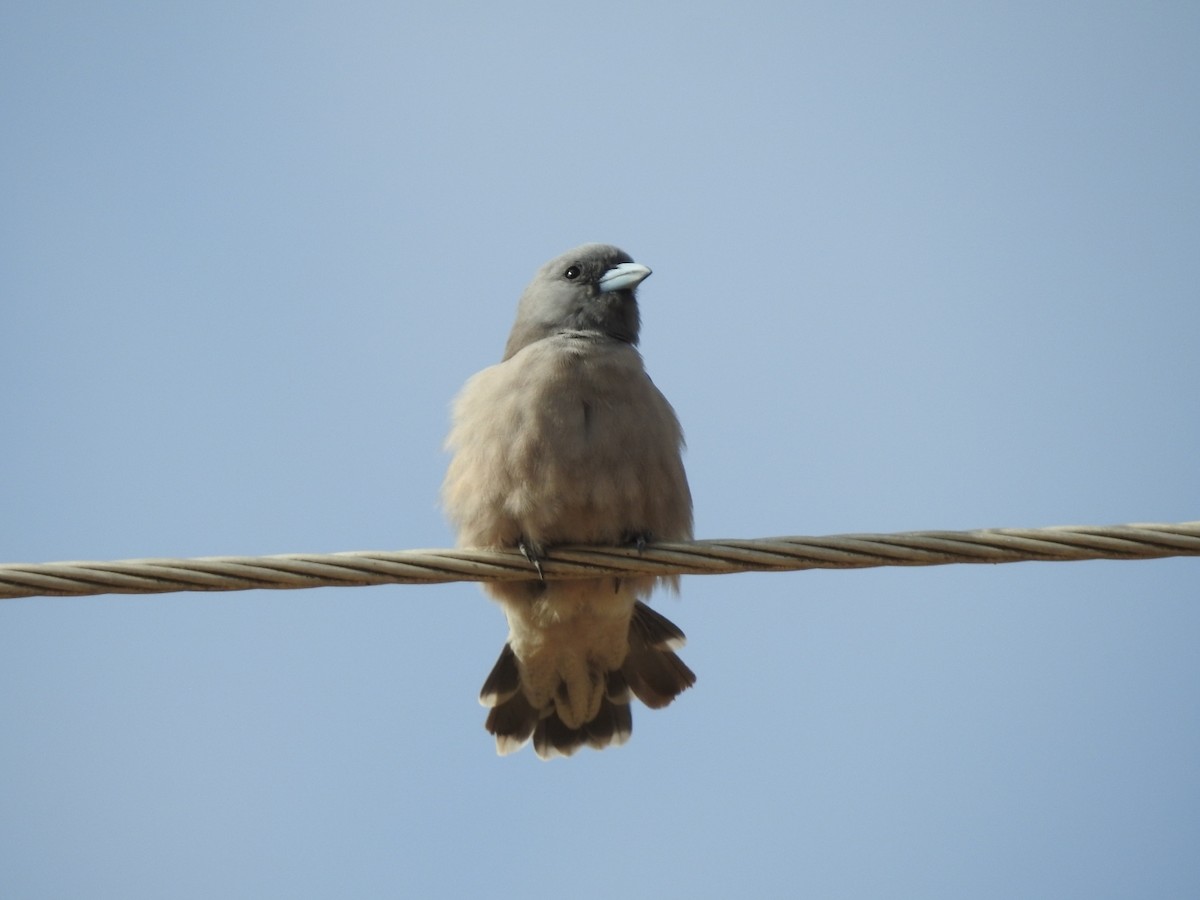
(567, 441)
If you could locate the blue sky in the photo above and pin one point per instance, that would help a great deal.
(915, 266)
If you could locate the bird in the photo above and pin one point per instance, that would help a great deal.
(567, 441)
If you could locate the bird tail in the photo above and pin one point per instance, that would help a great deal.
(651, 672)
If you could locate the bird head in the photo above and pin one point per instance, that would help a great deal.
(589, 290)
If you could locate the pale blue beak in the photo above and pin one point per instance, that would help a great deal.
(623, 277)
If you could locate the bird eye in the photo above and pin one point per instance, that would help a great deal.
(572, 273)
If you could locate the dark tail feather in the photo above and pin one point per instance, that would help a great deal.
(552, 738)
(654, 673)
(612, 725)
(511, 719)
(503, 681)
(655, 629)
(651, 672)
(512, 723)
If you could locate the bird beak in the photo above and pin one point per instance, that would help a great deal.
(623, 277)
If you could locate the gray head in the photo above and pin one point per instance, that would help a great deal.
(589, 289)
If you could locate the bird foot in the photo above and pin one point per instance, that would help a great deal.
(639, 539)
(534, 554)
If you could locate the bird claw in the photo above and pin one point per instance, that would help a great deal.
(639, 540)
(533, 554)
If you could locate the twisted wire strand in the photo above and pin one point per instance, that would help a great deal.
(357, 568)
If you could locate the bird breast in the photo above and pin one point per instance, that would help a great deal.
(568, 441)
